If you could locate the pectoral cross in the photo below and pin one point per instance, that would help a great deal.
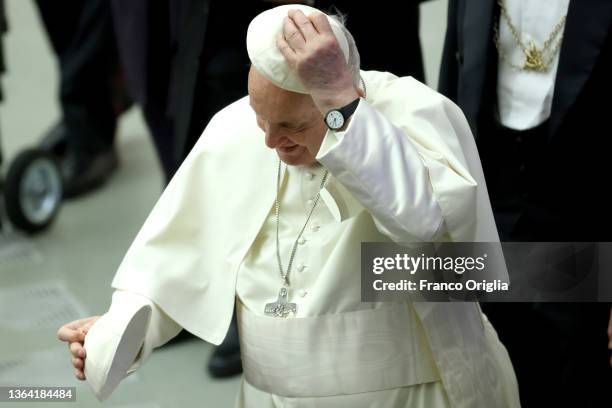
(280, 308)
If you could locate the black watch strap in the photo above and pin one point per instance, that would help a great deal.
(349, 109)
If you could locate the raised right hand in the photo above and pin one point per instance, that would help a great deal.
(74, 334)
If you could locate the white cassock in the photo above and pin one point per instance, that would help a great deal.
(405, 170)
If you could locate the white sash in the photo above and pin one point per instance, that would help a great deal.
(345, 353)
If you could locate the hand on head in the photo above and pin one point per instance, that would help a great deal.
(74, 334)
(312, 51)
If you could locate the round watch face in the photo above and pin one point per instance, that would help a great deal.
(334, 119)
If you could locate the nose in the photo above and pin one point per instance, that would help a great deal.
(274, 136)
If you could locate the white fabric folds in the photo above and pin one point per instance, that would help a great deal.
(335, 354)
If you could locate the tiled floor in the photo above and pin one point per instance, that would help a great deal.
(66, 272)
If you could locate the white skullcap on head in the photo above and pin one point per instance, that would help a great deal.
(265, 54)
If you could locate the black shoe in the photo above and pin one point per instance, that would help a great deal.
(225, 360)
(82, 173)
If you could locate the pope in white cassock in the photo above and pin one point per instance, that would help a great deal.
(268, 213)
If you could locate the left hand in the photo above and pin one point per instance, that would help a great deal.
(311, 49)
(74, 334)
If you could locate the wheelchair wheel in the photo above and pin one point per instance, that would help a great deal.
(33, 190)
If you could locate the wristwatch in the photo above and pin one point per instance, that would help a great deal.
(336, 118)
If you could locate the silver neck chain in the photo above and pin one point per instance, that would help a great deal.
(285, 274)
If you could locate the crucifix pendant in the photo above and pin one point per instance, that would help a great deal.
(280, 308)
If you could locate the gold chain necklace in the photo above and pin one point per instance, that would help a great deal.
(534, 57)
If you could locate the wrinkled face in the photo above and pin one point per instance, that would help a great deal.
(288, 119)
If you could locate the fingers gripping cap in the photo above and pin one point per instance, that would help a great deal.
(264, 53)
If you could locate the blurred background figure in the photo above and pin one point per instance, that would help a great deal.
(530, 78)
(401, 22)
(91, 93)
(182, 64)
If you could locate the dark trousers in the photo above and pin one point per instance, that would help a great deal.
(81, 34)
(559, 350)
(183, 63)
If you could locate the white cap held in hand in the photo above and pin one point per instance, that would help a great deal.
(263, 50)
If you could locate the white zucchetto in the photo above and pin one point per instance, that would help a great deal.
(265, 54)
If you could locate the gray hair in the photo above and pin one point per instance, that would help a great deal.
(353, 60)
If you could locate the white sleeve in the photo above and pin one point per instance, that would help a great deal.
(122, 339)
(161, 330)
(380, 166)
